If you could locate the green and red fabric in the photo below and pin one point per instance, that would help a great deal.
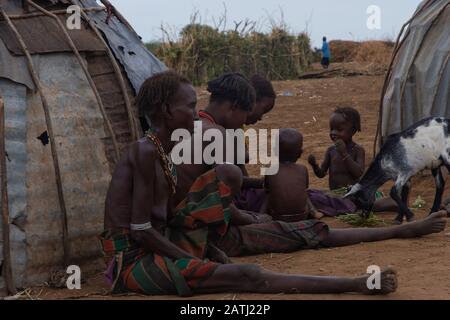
(203, 215)
(134, 270)
(275, 236)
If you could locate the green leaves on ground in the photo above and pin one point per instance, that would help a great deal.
(357, 220)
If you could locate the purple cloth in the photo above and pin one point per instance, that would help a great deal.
(109, 273)
(330, 205)
(250, 199)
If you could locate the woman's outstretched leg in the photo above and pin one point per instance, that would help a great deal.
(252, 278)
(385, 205)
(434, 223)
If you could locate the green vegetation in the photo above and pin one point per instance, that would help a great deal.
(356, 219)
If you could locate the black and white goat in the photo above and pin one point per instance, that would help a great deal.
(424, 145)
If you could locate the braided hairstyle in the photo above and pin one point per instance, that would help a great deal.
(352, 115)
(157, 92)
(263, 87)
(235, 88)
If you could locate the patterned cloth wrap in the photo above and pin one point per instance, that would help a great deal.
(275, 236)
(203, 216)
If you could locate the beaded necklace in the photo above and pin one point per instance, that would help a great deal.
(166, 161)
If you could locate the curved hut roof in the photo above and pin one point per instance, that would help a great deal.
(417, 84)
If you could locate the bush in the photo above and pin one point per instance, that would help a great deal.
(202, 52)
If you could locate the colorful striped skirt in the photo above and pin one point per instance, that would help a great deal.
(203, 216)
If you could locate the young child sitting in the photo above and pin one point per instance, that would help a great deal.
(344, 159)
(287, 199)
(345, 163)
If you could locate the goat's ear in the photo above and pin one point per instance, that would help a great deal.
(353, 190)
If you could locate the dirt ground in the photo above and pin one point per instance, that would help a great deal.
(423, 264)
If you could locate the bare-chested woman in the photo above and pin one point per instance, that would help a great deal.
(158, 249)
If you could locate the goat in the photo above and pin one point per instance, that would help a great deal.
(424, 145)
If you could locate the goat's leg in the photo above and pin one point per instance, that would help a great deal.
(440, 184)
(402, 206)
(405, 195)
(405, 192)
(394, 195)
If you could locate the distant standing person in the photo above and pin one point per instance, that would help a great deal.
(325, 54)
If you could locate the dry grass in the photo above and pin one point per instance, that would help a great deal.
(202, 52)
(343, 51)
(374, 55)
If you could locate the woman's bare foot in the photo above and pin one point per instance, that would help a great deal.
(434, 223)
(388, 283)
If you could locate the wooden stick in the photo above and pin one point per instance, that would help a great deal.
(48, 121)
(40, 14)
(118, 72)
(10, 286)
(87, 74)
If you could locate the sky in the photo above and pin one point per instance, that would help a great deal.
(343, 19)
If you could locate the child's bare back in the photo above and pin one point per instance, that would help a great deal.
(287, 196)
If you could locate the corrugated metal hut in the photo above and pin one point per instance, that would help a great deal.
(418, 81)
(68, 113)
